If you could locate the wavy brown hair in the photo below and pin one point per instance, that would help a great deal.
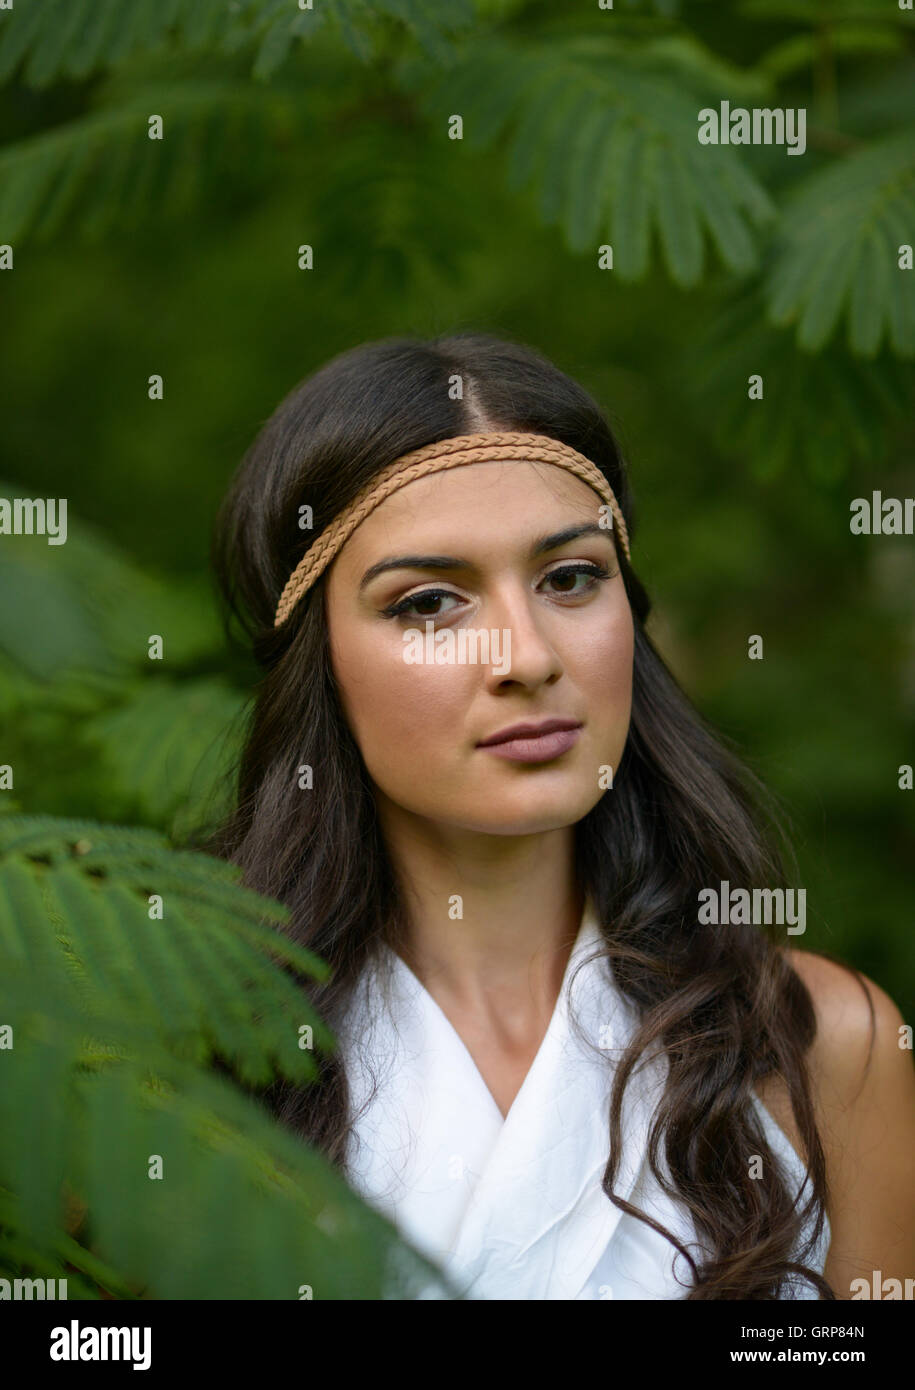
(725, 1006)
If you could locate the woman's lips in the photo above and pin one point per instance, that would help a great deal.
(535, 750)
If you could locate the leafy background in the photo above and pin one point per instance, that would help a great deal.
(330, 127)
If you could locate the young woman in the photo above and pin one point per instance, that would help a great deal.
(556, 1073)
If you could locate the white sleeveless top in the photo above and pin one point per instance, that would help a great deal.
(513, 1208)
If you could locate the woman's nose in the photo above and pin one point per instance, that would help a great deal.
(527, 654)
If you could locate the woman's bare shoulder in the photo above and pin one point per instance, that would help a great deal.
(863, 1085)
(857, 1023)
(860, 1045)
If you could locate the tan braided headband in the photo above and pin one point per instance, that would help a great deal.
(433, 458)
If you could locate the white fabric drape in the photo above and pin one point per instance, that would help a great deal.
(513, 1208)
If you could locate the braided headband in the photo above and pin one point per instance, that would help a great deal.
(433, 458)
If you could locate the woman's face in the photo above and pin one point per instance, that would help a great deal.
(561, 647)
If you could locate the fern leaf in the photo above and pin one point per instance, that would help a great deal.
(279, 26)
(846, 217)
(165, 749)
(103, 166)
(56, 39)
(575, 109)
(242, 1208)
(74, 38)
(82, 915)
(45, 1113)
(534, 119)
(98, 610)
(604, 132)
(871, 291)
(825, 290)
(901, 306)
(630, 154)
(105, 1083)
(820, 413)
(64, 1258)
(585, 202)
(16, 38)
(678, 220)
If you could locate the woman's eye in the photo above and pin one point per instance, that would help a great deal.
(419, 602)
(594, 574)
(424, 604)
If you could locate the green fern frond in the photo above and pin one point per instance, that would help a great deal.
(837, 251)
(433, 25)
(114, 1021)
(278, 25)
(66, 1258)
(610, 142)
(75, 901)
(242, 1208)
(59, 39)
(98, 610)
(54, 39)
(166, 749)
(819, 413)
(102, 168)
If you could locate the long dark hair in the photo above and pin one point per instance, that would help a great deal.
(725, 1006)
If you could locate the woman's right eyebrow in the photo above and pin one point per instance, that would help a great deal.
(453, 562)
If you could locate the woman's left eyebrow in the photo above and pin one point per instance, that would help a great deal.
(453, 562)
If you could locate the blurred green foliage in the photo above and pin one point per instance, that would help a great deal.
(129, 1164)
(330, 128)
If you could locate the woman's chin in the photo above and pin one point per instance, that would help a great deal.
(537, 816)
